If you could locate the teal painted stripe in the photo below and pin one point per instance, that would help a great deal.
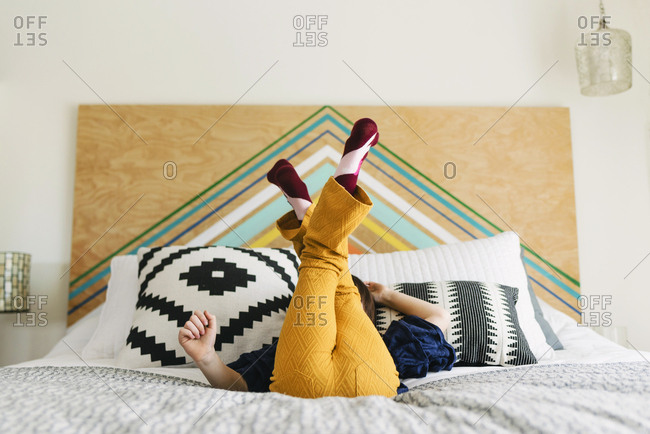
(403, 228)
(267, 216)
(341, 126)
(90, 282)
(551, 277)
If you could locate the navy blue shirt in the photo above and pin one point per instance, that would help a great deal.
(417, 347)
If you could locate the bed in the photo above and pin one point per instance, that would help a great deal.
(118, 368)
(592, 385)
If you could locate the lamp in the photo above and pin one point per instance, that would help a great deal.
(14, 281)
(603, 57)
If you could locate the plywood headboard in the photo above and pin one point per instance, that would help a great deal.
(159, 175)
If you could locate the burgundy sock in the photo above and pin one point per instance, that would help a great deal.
(363, 136)
(294, 189)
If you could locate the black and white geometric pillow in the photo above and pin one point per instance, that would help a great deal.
(248, 290)
(484, 327)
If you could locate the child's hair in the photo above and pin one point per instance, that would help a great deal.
(367, 301)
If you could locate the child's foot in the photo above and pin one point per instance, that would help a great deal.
(363, 136)
(285, 177)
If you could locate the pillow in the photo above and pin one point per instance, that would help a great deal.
(77, 335)
(549, 334)
(248, 290)
(484, 328)
(117, 311)
(495, 259)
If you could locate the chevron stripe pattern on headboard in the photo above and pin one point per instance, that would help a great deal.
(195, 175)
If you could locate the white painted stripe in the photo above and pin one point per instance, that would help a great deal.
(364, 246)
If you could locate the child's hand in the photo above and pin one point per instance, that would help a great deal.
(379, 292)
(198, 336)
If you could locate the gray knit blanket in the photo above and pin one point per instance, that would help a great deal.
(611, 397)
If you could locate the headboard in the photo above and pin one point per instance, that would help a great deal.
(157, 175)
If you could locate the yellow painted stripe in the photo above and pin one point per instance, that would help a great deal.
(267, 238)
(390, 239)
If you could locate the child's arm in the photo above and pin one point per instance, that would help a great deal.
(409, 305)
(197, 339)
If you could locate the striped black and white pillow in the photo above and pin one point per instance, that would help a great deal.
(248, 290)
(484, 327)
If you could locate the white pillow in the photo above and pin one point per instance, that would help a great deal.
(117, 314)
(496, 259)
(77, 335)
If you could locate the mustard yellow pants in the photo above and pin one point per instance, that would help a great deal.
(328, 346)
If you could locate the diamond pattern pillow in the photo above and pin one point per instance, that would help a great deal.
(248, 290)
(484, 327)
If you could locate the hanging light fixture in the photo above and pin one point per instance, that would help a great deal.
(603, 57)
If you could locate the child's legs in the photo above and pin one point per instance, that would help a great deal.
(294, 230)
(304, 358)
(363, 363)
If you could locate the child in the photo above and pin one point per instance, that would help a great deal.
(328, 344)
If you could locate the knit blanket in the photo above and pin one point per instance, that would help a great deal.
(611, 397)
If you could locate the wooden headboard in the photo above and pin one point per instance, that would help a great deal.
(156, 175)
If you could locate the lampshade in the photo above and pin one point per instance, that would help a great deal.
(603, 58)
(14, 281)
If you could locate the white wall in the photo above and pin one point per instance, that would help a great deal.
(411, 53)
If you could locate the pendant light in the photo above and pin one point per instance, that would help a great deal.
(603, 57)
